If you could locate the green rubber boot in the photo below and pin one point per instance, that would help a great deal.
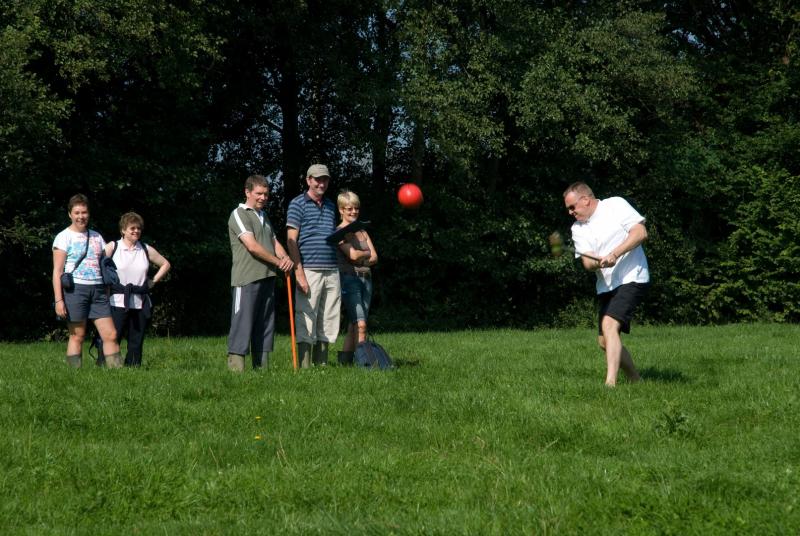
(236, 363)
(114, 360)
(320, 354)
(304, 354)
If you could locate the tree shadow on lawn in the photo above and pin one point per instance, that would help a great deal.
(404, 362)
(654, 374)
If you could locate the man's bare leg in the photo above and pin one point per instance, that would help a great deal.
(626, 363)
(617, 356)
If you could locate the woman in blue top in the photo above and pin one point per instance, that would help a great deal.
(76, 255)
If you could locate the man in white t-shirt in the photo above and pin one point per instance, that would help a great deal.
(612, 231)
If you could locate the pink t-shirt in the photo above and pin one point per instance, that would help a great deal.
(132, 265)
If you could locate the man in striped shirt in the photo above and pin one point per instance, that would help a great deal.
(256, 256)
(310, 219)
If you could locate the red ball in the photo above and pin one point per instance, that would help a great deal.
(409, 195)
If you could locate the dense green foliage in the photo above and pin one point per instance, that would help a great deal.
(688, 109)
(475, 432)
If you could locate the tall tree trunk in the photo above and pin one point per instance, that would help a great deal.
(380, 137)
(417, 153)
(291, 145)
(382, 124)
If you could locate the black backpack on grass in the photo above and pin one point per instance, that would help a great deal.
(369, 354)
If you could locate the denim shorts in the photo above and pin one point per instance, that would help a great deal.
(87, 301)
(356, 296)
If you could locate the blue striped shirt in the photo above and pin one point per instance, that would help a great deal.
(314, 222)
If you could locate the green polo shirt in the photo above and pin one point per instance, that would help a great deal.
(246, 268)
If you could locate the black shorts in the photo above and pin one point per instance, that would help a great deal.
(620, 304)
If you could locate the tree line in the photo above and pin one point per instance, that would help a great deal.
(687, 109)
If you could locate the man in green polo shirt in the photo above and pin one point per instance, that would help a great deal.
(256, 256)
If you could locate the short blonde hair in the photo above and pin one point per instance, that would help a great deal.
(346, 197)
(130, 218)
(580, 188)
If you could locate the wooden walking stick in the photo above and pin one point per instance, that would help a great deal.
(291, 320)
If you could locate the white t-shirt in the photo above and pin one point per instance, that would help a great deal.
(132, 265)
(74, 243)
(607, 228)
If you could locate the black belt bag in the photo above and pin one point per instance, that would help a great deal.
(67, 282)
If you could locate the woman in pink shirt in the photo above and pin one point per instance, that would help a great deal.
(130, 300)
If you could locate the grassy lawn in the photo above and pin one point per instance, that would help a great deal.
(477, 432)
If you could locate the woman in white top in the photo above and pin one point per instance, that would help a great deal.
(78, 291)
(131, 306)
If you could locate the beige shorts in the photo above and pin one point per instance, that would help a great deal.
(316, 315)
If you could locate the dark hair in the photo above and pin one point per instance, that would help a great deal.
(130, 218)
(77, 199)
(255, 180)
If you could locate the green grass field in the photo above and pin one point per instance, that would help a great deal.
(484, 432)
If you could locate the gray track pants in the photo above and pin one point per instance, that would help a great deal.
(252, 318)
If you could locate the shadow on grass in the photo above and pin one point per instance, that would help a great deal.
(403, 362)
(654, 374)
